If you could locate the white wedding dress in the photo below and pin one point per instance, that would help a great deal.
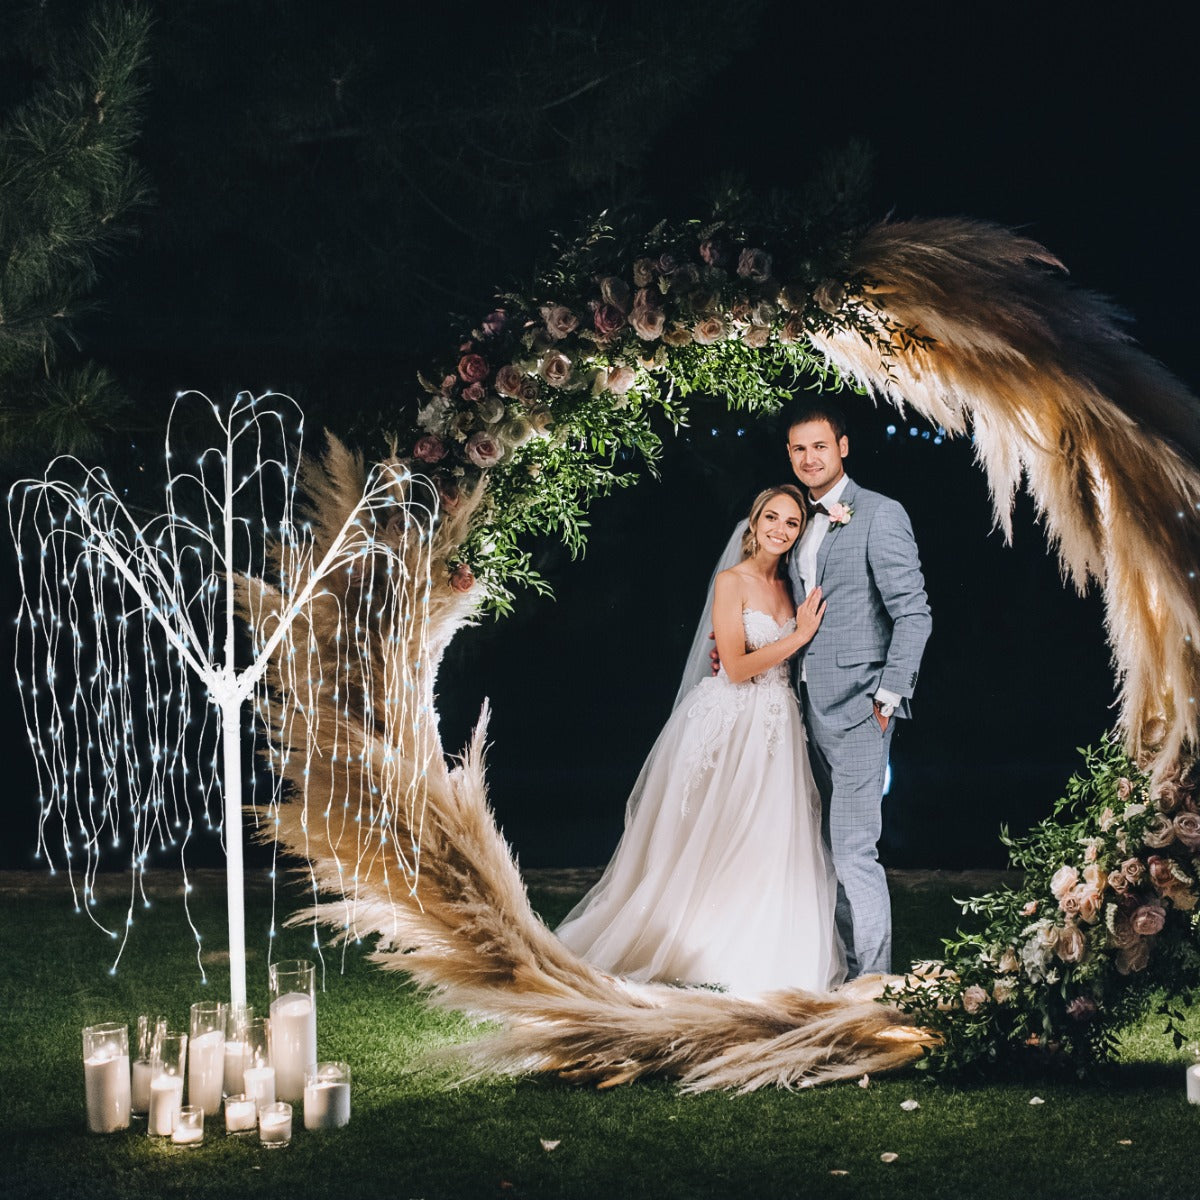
(721, 876)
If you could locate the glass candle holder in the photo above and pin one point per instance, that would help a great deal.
(1193, 1076)
(148, 1028)
(327, 1096)
(189, 1126)
(293, 985)
(258, 1077)
(106, 1077)
(275, 1125)
(241, 1114)
(206, 1055)
(236, 1050)
(166, 1082)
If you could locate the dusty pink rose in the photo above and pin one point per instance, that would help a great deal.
(1062, 881)
(555, 368)
(1167, 796)
(757, 336)
(615, 291)
(1160, 831)
(1133, 958)
(1108, 819)
(1091, 904)
(429, 449)
(793, 297)
(668, 264)
(974, 998)
(754, 265)
(709, 331)
(620, 380)
(462, 578)
(560, 321)
(1135, 869)
(1071, 943)
(1124, 788)
(449, 383)
(1148, 920)
(495, 322)
(474, 392)
(1119, 882)
(1008, 961)
(484, 450)
(473, 368)
(644, 270)
(1069, 903)
(647, 319)
(1187, 829)
(741, 311)
(1082, 1008)
(508, 381)
(1029, 908)
(712, 252)
(677, 335)
(1094, 876)
(1159, 869)
(840, 514)
(792, 330)
(1121, 933)
(607, 319)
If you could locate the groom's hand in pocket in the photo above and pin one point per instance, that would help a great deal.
(883, 721)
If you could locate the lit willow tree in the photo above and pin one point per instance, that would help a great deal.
(135, 668)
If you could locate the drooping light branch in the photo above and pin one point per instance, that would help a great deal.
(135, 670)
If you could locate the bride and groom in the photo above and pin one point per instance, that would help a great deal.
(749, 858)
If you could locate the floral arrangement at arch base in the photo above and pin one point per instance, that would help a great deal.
(1106, 921)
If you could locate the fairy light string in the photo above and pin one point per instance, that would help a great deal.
(135, 667)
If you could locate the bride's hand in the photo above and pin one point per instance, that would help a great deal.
(808, 616)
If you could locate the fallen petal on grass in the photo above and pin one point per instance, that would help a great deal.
(888, 1156)
(910, 1105)
(865, 1081)
(549, 1145)
(1036, 1100)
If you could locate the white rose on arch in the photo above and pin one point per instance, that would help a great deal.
(484, 450)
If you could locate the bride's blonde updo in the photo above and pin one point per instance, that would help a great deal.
(749, 542)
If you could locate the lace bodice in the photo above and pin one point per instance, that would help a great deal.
(717, 703)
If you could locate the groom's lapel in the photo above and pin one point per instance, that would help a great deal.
(829, 541)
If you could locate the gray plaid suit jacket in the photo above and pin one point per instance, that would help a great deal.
(877, 620)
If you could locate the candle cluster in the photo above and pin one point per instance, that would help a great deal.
(258, 1068)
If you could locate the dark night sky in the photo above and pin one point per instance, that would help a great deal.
(1072, 122)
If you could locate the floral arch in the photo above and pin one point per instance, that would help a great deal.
(968, 324)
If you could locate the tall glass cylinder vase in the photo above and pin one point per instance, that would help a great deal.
(206, 1055)
(106, 1077)
(166, 1082)
(236, 1049)
(148, 1029)
(293, 986)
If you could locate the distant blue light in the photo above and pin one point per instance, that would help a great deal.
(891, 431)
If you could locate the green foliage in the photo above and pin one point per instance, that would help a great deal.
(1103, 926)
(70, 190)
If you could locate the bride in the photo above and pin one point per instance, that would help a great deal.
(721, 876)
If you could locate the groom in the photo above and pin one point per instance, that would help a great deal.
(857, 674)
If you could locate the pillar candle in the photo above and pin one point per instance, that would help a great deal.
(206, 1070)
(166, 1097)
(293, 1042)
(107, 1087)
(237, 1059)
(260, 1085)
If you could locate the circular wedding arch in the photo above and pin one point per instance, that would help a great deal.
(978, 330)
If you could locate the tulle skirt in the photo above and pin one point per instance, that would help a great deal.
(721, 876)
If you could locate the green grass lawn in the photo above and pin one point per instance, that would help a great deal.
(415, 1133)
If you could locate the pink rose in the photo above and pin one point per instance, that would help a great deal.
(429, 449)
(644, 270)
(615, 291)
(757, 336)
(1161, 875)
(1082, 1008)
(1094, 876)
(668, 264)
(709, 331)
(840, 514)
(1167, 796)
(556, 368)
(1121, 933)
(1029, 908)
(1187, 829)
(474, 392)
(1134, 958)
(1148, 920)
(792, 330)
(449, 383)
(1091, 904)
(1070, 902)
(647, 319)
(974, 998)
(1071, 943)
(473, 368)
(1119, 882)
(620, 380)
(1160, 831)
(495, 322)
(1108, 819)
(607, 319)
(508, 381)
(1062, 881)
(754, 265)
(484, 450)
(712, 252)
(1135, 869)
(560, 321)
(462, 578)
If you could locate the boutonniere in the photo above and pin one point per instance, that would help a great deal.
(840, 514)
